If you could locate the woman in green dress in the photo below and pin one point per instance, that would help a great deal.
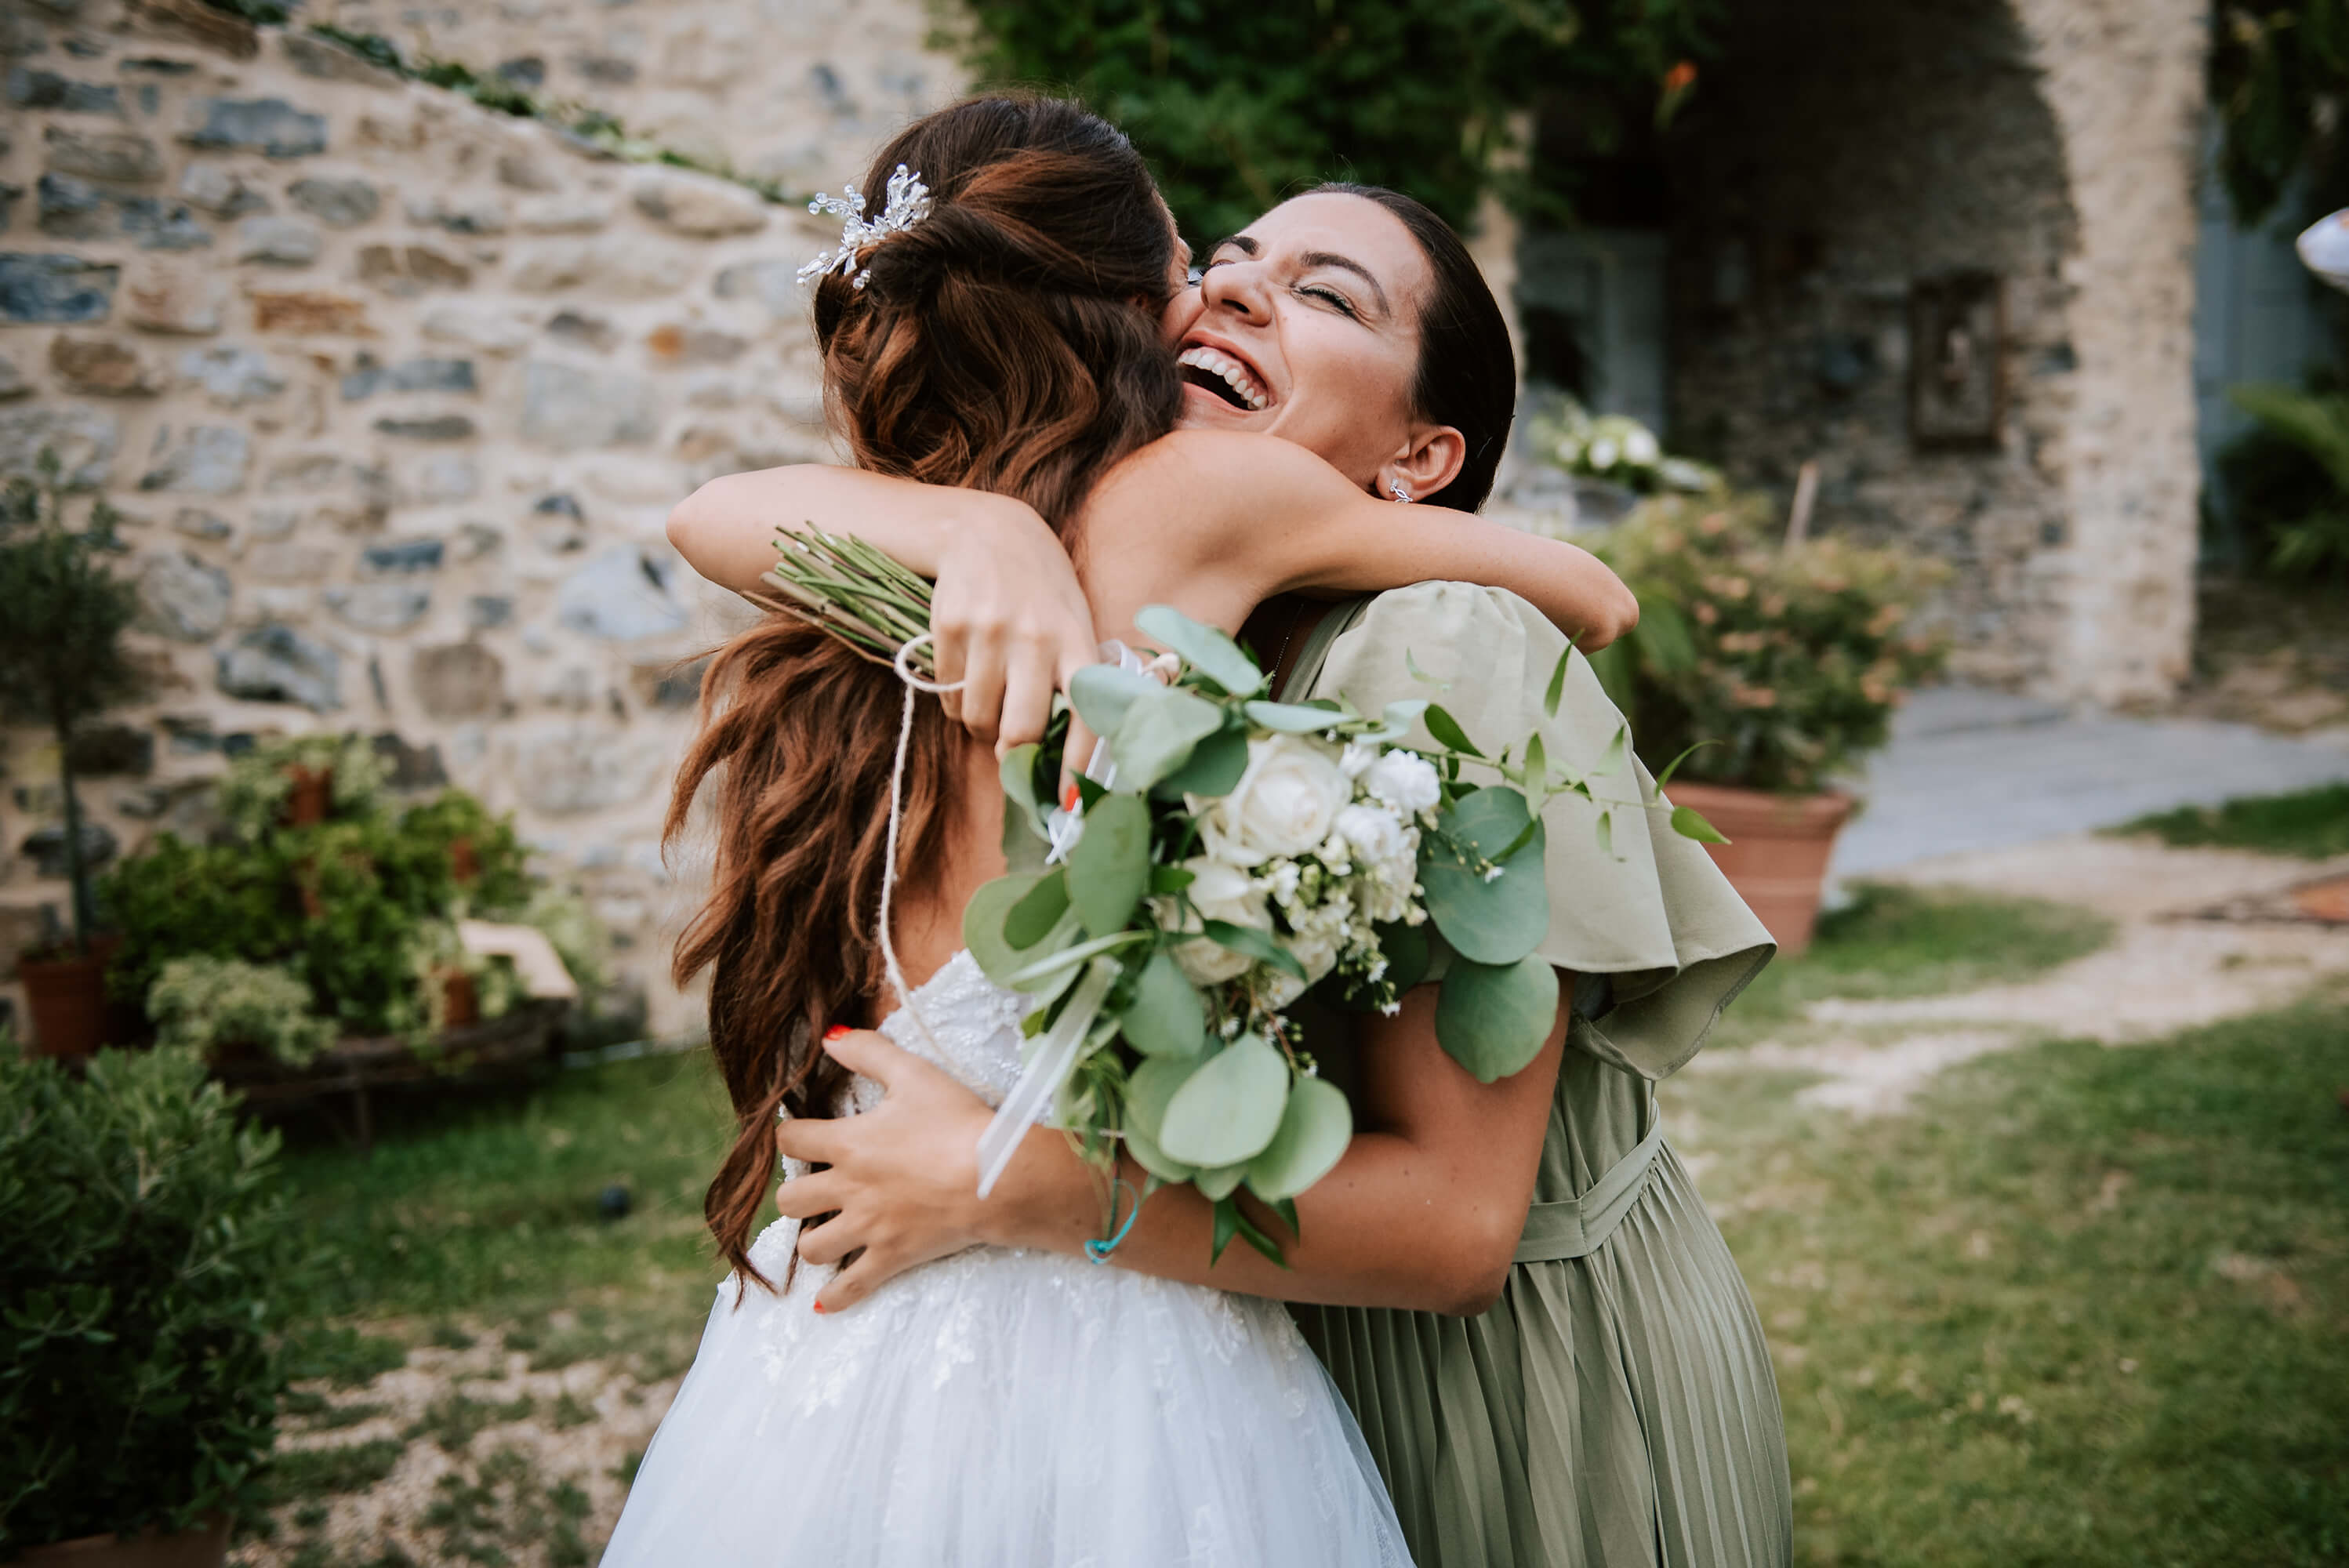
(1540, 1331)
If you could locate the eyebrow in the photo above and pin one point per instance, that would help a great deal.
(1249, 247)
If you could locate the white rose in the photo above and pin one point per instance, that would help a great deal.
(1283, 805)
(1217, 892)
(1405, 780)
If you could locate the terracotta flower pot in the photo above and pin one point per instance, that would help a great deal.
(464, 861)
(67, 996)
(460, 1003)
(312, 796)
(206, 1546)
(1777, 855)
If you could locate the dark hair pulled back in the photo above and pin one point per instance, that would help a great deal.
(1010, 342)
(1467, 376)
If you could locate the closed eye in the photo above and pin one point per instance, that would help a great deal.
(1330, 297)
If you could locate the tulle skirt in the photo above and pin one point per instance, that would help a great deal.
(1004, 1409)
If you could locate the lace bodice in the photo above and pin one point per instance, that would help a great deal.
(974, 1024)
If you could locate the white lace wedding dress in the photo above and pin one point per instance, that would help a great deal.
(1001, 1409)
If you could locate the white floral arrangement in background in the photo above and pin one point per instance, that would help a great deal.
(1618, 449)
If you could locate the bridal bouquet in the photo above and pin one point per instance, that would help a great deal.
(1235, 852)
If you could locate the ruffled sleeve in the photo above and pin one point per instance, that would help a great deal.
(1654, 915)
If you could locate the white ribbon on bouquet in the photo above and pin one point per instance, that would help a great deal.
(1054, 1056)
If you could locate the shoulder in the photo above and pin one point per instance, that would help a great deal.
(1486, 654)
(1221, 462)
(1458, 617)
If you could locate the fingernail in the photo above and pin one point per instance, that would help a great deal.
(1068, 798)
(819, 1307)
(834, 1033)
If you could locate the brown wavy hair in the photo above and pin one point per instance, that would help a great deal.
(1008, 342)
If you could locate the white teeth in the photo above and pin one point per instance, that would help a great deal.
(1234, 374)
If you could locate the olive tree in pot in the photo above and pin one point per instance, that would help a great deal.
(1774, 666)
(145, 1289)
(62, 663)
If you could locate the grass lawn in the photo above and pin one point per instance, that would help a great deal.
(2082, 1305)
(488, 1210)
(2311, 823)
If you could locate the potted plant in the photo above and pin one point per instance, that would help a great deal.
(62, 616)
(147, 1276)
(1780, 663)
(218, 1007)
(300, 781)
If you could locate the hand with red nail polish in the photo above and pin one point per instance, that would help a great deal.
(834, 1033)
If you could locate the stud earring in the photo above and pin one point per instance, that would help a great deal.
(1402, 495)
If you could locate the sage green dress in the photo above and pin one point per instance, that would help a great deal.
(1617, 1407)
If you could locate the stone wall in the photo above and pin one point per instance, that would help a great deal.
(1849, 147)
(396, 394)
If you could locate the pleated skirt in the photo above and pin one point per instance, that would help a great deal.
(1612, 1410)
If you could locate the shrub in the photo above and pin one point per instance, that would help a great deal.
(1786, 661)
(2288, 479)
(62, 616)
(143, 1288)
(205, 1004)
(252, 794)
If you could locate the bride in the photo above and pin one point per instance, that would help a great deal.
(1001, 331)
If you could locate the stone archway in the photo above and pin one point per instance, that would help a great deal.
(1849, 149)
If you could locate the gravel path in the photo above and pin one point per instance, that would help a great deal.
(2163, 971)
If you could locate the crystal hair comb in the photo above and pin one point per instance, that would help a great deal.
(907, 203)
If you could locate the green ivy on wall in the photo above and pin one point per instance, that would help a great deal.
(1241, 102)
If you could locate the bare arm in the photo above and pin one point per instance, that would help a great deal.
(1261, 516)
(1423, 1211)
(1011, 620)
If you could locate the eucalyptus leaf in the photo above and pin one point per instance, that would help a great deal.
(1103, 693)
(1171, 878)
(1109, 869)
(1315, 1128)
(1290, 717)
(1215, 766)
(1155, 1160)
(1497, 921)
(1166, 1018)
(1159, 733)
(1017, 771)
(1690, 824)
(1150, 1088)
(1447, 731)
(1493, 1019)
(1230, 1108)
(1221, 1182)
(1206, 649)
(982, 925)
(1027, 923)
(1258, 944)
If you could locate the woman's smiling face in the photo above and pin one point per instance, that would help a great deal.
(1306, 326)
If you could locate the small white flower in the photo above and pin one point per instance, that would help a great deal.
(1373, 831)
(1357, 758)
(1283, 804)
(1405, 780)
(1603, 453)
(1640, 446)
